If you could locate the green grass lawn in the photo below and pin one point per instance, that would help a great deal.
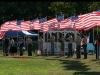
(49, 65)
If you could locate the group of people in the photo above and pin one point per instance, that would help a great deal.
(79, 42)
(10, 47)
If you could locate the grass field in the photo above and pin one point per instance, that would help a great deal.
(49, 65)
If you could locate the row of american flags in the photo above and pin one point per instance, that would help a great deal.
(80, 22)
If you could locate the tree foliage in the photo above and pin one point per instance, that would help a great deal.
(31, 10)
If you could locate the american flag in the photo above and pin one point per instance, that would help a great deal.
(4, 27)
(96, 17)
(43, 25)
(89, 21)
(65, 24)
(19, 22)
(59, 18)
(48, 25)
(25, 26)
(55, 23)
(52, 24)
(13, 25)
(79, 23)
(2, 33)
(35, 24)
(74, 19)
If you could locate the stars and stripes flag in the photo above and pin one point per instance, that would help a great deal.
(90, 21)
(59, 18)
(25, 25)
(35, 24)
(2, 33)
(74, 19)
(4, 27)
(13, 26)
(96, 17)
(65, 24)
(79, 22)
(19, 24)
(51, 24)
(44, 26)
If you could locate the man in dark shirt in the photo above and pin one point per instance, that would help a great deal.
(6, 43)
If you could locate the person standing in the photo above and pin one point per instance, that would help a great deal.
(95, 45)
(70, 42)
(52, 40)
(84, 41)
(78, 46)
(21, 44)
(3, 46)
(6, 43)
(29, 45)
(13, 49)
(40, 42)
(62, 40)
(98, 47)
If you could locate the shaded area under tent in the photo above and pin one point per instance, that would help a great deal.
(24, 34)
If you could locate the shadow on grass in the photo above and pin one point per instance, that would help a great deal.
(86, 73)
(72, 65)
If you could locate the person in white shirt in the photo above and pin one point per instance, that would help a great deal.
(78, 47)
(52, 40)
(70, 42)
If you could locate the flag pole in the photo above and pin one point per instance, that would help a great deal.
(38, 39)
(57, 40)
(38, 31)
(17, 41)
(47, 42)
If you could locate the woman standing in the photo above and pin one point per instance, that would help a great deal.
(62, 44)
(29, 45)
(40, 41)
(85, 45)
(13, 49)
